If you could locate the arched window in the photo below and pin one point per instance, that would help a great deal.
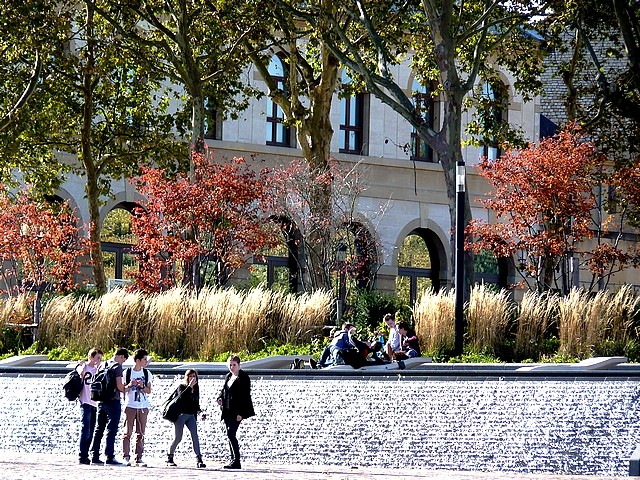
(493, 114)
(352, 132)
(425, 105)
(418, 265)
(116, 241)
(277, 133)
(279, 267)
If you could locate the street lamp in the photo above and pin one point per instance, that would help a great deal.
(459, 275)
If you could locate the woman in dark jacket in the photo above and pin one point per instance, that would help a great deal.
(236, 404)
(189, 401)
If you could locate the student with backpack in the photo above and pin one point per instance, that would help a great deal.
(87, 370)
(137, 385)
(106, 388)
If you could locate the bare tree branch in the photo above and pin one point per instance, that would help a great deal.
(24, 98)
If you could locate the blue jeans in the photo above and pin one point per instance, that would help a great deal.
(330, 352)
(108, 418)
(88, 426)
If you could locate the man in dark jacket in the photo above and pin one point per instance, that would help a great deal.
(235, 401)
(109, 412)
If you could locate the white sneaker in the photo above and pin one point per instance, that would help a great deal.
(140, 463)
(127, 461)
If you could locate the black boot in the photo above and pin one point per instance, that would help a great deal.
(235, 465)
(170, 461)
(200, 463)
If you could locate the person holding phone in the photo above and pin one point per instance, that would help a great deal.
(136, 406)
(189, 397)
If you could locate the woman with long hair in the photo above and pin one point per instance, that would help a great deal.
(188, 394)
(235, 401)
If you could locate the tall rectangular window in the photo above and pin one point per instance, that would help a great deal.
(493, 115)
(351, 120)
(277, 133)
(212, 125)
(425, 106)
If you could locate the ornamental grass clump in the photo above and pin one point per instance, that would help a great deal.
(488, 315)
(16, 309)
(433, 314)
(182, 323)
(66, 320)
(581, 322)
(166, 315)
(299, 318)
(621, 317)
(117, 314)
(535, 316)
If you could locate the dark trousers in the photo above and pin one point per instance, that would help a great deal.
(232, 428)
(88, 426)
(108, 418)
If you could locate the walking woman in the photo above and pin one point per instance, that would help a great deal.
(235, 400)
(188, 394)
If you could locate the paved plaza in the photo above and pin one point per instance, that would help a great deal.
(22, 466)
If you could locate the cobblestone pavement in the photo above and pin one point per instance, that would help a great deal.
(23, 466)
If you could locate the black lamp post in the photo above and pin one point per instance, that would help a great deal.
(341, 259)
(459, 278)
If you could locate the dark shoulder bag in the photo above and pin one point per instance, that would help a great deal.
(172, 407)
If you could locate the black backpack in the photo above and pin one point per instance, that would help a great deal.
(103, 386)
(73, 384)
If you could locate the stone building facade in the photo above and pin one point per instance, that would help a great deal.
(412, 191)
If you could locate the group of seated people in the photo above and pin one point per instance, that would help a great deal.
(347, 349)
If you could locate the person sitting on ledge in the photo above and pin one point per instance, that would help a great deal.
(333, 353)
(410, 343)
(362, 353)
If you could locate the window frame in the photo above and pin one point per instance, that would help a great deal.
(351, 123)
(421, 98)
(275, 115)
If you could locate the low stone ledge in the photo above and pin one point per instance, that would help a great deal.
(22, 360)
(589, 364)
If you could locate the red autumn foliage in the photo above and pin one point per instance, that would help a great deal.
(215, 219)
(544, 203)
(40, 245)
(627, 192)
